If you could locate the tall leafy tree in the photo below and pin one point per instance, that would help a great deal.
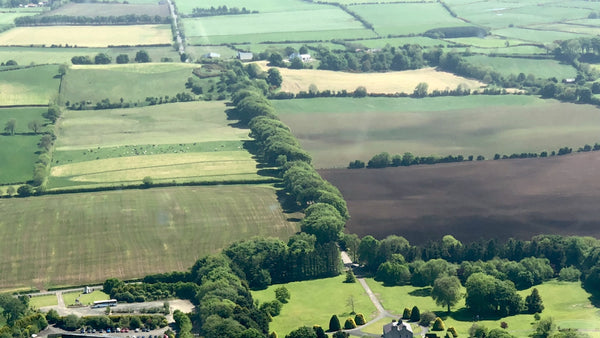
(446, 291)
(10, 126)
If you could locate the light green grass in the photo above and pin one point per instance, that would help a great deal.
(34, 85)
(84, 299)
(18, 154)
(116, 82)
(336, 131)
(395, 42)
(567, 303)
(318, 24)
(41, 55)
(534, 35)
(314, 302)
(23, 115)
(540, 68)
(280, 47)
(406, 18)
(83, 238)
(486, 42)
(578, 29)
(37, 302)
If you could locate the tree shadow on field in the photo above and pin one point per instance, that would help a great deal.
(233, 115)
(594, 299)
(288, 204)
(464, 315)
(422, 292)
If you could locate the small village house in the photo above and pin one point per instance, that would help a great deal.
(397, 329)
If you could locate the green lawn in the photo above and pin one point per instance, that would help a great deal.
(314, 302)
(37, 302)
(540, 68)
(567, 303)
(406, 18)
(34, 85)
(83, 238)
(18, 154)
(316, 24)
(43, 55)
(133, 82)
(339, 130)
(87, 299)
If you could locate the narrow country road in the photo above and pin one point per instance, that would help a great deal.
(180, 41)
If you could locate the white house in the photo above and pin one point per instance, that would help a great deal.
(211, 55)
(303, 57)
(245, 56)
(397, 329)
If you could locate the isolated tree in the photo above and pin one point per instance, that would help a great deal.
(534, 302)
(350, 303)
(142, 56)
(350, 278)
(62, 69)
(359, 319)
(10, 126)
(35, 126)
(274, 78)
(122, 58)
(53, 113)
(438, 325)
(147, 182)
(282, 294)
(102, 59)
(446, 291)
(10, 190)
(25, 190)
(415, 314)
(349, 324)
(421, 90)
(360, 91)
(406, 313)
(334, 324)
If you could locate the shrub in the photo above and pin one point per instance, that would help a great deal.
(427, 318)
(350, 278)
(406, 313)
(334, 324)
(569, 274)
(349, 324)
(360, 92)
(438, 325)
(415, 314)
(452, 331)
(359, 319)
(282, 294)
(147, 181)
(319, 331)
(272, 308)
(25, 190)
(504, 325)
(357, 164)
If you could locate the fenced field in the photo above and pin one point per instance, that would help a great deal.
(73, 239)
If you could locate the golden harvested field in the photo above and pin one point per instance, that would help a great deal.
(207, 166)
(87, 36)
(295, 80)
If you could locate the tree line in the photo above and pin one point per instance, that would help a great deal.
(129, 19)
(220, 10)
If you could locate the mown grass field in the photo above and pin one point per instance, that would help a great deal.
(84, 299)
(535, 35)
(406, 18)
(181, 141)
(566, 302)
(295, 80)
(110, 9)
(87, 36)
(540, 68)
(43, 55)
(74, 239)
(315, 24)
(29, 86)
(336, 131)
(18, 158)
(37, 302)
(132, 82)
(314, 302)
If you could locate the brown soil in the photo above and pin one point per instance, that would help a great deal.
(492, 199)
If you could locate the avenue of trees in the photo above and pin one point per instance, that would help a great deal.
(130, 19)
(102, 59)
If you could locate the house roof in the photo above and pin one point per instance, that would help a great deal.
(395, 326)
(245, 56)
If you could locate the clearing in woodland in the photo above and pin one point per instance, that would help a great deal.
(74, 239)
(88, 36)
(296, 80)
(502, 199)
(339, 130)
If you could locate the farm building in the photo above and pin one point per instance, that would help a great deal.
(244, 56)
(303, 57)
(211, 55)
(397, 329)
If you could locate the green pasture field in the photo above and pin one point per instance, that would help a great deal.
(37, 302)
(23, 115)
(87, 36)
(336, 130)
(570, 28)
(187, 6)
(566, 302)
(489, 41)
(44, 55)
(316, 24)
(28, 86)
(500, 14)
(84, 299)
(74, 239)
(540, 68)
(18, 154)
(406, 18)
(132, 82)
(512, 50)
(535, 35)
(315, 301)
(110, 9)
(415, 40)
(280, 47)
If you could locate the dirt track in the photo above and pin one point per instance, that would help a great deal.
(500, 199)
